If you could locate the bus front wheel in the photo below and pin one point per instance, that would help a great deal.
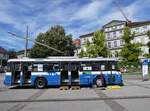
(40, 83)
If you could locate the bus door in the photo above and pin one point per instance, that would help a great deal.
(85, 73)
(65, 74)
(75, 73)
(26, 73)
(111, 68)
(16, 73)
(53, 70)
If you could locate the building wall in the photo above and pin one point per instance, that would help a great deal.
(113, 33)
(84, 41)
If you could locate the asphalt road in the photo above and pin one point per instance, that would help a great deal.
(134, 96)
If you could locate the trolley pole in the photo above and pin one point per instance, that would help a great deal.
(26, 42)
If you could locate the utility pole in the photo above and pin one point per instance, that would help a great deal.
(26, 41)
(34, 41)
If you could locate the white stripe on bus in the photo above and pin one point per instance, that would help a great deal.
(8, 73)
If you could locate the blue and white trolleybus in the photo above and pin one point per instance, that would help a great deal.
(62, 71)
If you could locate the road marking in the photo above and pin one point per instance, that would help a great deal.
(78, 99)
(21, 105)
(111, 103)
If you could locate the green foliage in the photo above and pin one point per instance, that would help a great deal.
(128, 36)
(55, 37)
(82, 53)
(130, 51)
(148, 34)
(148, 45)
(98, 47)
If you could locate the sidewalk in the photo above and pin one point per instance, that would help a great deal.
(2, 86)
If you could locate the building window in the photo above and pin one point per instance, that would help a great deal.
(107, 29)
(109, 44)
(144, 27)
(115, 43)
(114, 34)
(120, 31)
(121, 42)
(108, 36)
(84, 40)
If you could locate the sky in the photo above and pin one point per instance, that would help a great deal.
(78, 17)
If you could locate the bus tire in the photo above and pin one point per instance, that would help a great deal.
(100, 82)
(40, 83)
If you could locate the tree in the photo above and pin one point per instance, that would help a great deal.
(148, 45)
(130, 51)
(55, 37)
(12, 53)
(98, 47)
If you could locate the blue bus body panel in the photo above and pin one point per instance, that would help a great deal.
(53, 78)
(87, 79)
(7, 79)
(113, 77)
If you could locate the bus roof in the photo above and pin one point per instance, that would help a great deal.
(53, 59)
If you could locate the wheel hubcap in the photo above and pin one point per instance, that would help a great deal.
(99, 82)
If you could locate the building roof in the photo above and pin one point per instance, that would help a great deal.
(86, 35)
(130, 24)
(77, 42)
(22, 51)
(136, 24)
(114, 21)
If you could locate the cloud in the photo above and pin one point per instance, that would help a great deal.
(78, 17)
(91, 10)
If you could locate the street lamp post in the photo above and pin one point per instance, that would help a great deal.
(26, 42)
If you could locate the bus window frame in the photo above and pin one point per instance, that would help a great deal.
(89, 64)
(53, 69)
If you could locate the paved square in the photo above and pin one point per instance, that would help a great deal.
(134, 96)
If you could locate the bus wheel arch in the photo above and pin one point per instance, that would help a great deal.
(40, 82)
(99, 81)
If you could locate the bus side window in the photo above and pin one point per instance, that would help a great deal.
(113, 67)
(56, 67)
(30, 67)
(35, 68)
(50, 67)
(86, 66)
(95, 66)
(102, 67)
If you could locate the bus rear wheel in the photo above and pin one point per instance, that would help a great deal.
(40, 83)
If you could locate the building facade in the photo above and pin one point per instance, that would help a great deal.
(84, 39)
(77, 44)
(3, 57)
(21, 53)
(114, 31)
